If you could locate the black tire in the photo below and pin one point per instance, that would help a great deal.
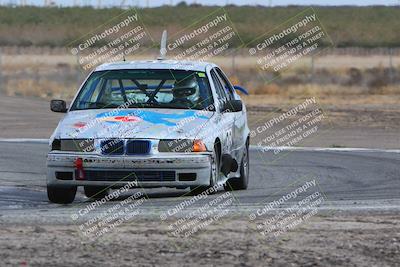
(61, 194)
(200, 189)
(242, 182)
(194, 191)
(95, 192)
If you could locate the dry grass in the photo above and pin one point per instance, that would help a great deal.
(58, 76)
(41, 88)
(323, 90)
(380, 102)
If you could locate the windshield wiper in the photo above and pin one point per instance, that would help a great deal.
(96, 105)
(160, 105)
(144, 105)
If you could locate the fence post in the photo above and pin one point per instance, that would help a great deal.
(233, 63)
(312, 69)
(1, 73)
(391, 65)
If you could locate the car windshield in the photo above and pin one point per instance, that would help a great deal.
(176, 89)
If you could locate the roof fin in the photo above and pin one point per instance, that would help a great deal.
(163, 46)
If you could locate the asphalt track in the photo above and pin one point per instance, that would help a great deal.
(349, 179)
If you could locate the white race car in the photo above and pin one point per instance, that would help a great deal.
(158, 123)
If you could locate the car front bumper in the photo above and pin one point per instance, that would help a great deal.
(161, 170)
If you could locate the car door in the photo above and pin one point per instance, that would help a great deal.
(238, 129)
(225, 120)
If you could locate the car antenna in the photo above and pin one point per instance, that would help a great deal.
(163, 46)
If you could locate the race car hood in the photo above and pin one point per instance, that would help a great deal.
(132, 123)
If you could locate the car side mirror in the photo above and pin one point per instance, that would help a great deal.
(58, 106)
(241, 89)
(232, 106)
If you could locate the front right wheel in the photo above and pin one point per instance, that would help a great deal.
(214, 174)
(95, 192)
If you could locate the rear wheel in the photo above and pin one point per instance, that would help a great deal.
(242, 182)
(61, 194)
(95, 192)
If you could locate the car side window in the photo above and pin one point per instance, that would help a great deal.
(228, 90)
(218, 87)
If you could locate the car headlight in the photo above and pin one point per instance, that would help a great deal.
(199, 146)
(56, 144)
(75, 145)
(181, 145)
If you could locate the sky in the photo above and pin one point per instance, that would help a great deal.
(153, 3)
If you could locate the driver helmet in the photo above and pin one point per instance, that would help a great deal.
(187, 88)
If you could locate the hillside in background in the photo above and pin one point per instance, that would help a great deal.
(347, 26)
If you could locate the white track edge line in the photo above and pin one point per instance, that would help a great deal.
(24, 140)
(338, 149)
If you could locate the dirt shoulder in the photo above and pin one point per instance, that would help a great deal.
(340, 240)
